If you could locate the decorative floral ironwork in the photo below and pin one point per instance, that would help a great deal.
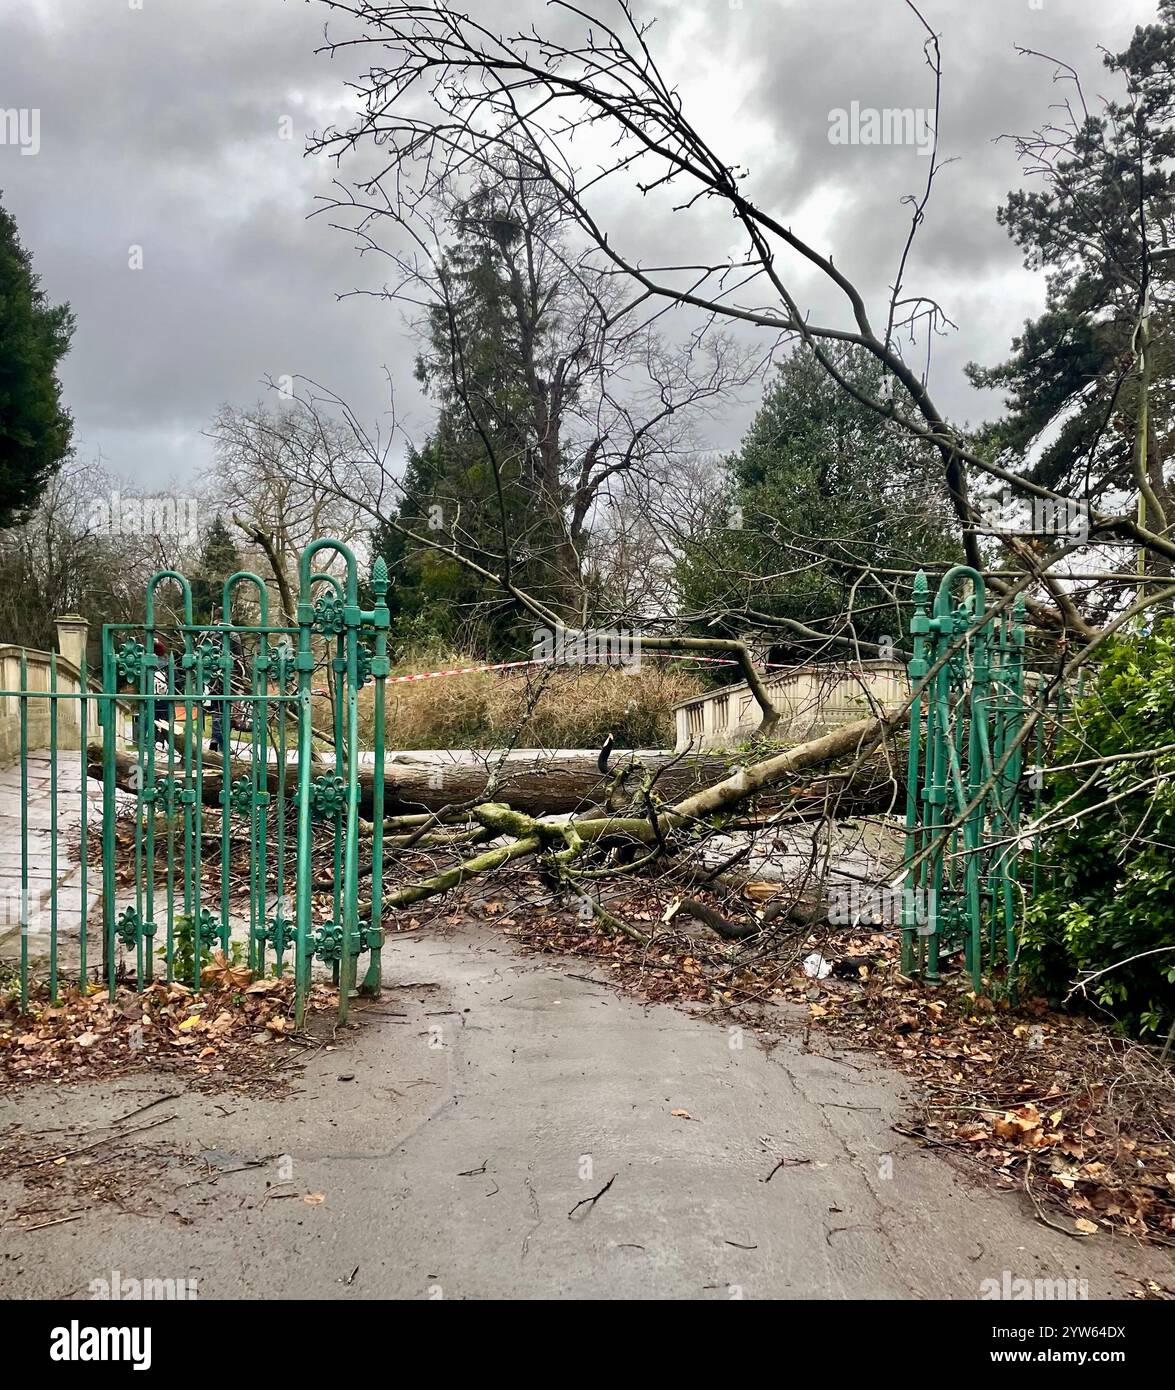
(241, 796)
(328, 796)
(328, 615)
(129, 660)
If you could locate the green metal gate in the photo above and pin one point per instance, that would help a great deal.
(253, 849)
(963, 786)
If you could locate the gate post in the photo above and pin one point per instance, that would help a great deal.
(379, 670)
(72, 633)
(304, 664)
(107, 717)
(1013, 724)
(918, 667)
(338, 614)
(350, 936)
(978, 769)
(938, 750)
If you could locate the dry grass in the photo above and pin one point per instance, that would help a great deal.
(534, 707)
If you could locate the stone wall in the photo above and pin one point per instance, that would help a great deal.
(811, 700)
(39, 682)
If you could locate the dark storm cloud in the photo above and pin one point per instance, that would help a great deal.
(808, 60)
(160, 128)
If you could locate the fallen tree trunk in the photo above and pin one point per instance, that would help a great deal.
(554, 785)
(561, 843)
(719, 925)
(546, 785)
(564, 843)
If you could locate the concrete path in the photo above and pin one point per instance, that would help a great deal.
(43, 876)
(454, 1137)
(458, 1137)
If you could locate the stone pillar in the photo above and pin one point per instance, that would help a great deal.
(72, 633)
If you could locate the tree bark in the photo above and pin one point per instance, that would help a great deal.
(558, 785)
(565, 843)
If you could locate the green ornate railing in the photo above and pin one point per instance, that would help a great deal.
(225, 788)
(962, 888)
(260, 677)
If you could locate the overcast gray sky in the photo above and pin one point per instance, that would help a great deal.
(161, 126)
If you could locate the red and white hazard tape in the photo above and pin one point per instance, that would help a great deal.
(470, 670)
(541, 661)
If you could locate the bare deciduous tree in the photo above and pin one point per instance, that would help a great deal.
(83, 549)
(448, 97)
(264, 471)
(529, 349)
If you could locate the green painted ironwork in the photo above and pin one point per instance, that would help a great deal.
(961, 889)
(222, 787)
(44, 722)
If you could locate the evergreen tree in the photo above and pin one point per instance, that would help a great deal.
(35, 428)
(1101, 226)
(488, 480)
(219, 558)
(448, 485)
(821, 491)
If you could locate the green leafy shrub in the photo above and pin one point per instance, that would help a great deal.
(1107, 878)
(184, 949)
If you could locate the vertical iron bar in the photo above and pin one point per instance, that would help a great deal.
(174, 810)
(108, 716)
(1014, 771)
(24, 832)
(303, 958)
(917, 668)
(83, 744)
(350, 934)
(339, 668)
(978, 767)
(147, 731)
(198, 821)
(280, 910)
(193, 729)
(226, 780)
(260, 722)
(140, 715)
(379, 670)
(53, 827)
